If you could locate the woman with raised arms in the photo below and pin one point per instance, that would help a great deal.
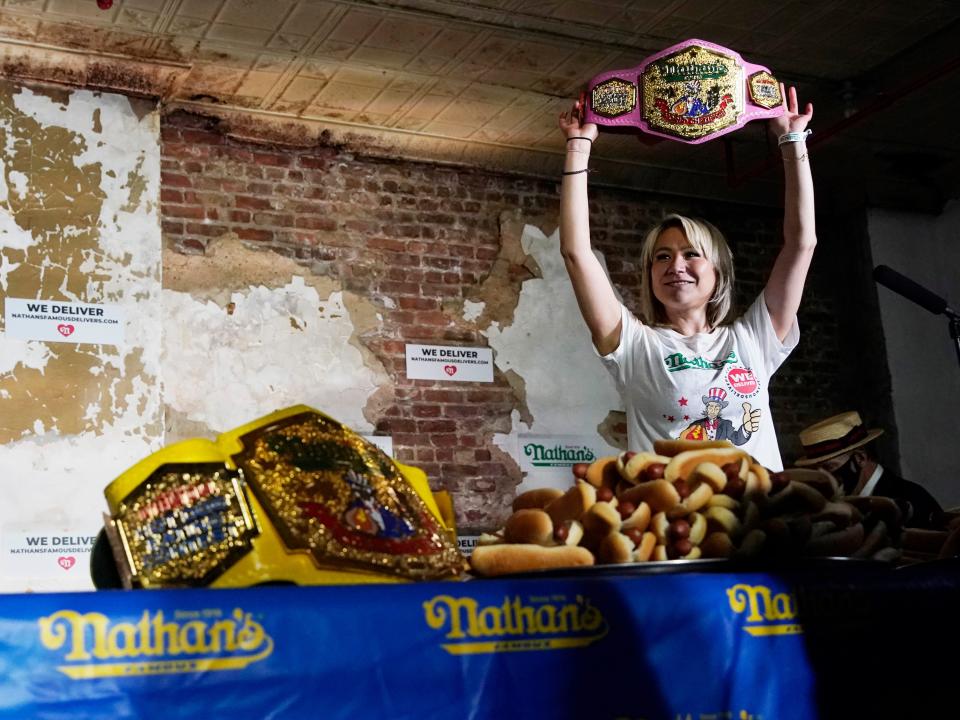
(685, 368)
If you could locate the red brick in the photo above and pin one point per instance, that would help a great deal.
(462, 411)
(274, 159)
(206, 229)
(443, 396)
(313, 163)
(254, 234)
(194, 246)
(426, 411)
(201, 137)
(417, 303)
(315, 223)
(432, 427)
(172, 228)
(252, 203)
(175, 180)
(184, 211)
(273, 219)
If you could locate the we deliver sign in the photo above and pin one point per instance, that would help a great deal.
(72, 322)
(461, 364)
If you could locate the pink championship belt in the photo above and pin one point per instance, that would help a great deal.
(692, 92)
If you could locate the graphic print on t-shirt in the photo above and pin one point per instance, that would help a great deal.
(742, 382)
(713, 426)
(676, 362)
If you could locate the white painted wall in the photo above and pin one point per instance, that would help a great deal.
(923, 361)
(567, 390)
(52, 478)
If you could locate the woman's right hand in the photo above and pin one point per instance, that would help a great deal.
(571, 127)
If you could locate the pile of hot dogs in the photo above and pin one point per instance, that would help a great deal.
(687, 500)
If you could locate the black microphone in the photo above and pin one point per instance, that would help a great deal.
(903, 285)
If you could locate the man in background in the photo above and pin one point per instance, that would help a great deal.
(840, 445)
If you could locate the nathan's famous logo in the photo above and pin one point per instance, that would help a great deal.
(93, 646)
(684, 72)
(767, 613)
(558, 455)
(678, 361)
(549, 623)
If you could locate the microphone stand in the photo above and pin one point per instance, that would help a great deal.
(918, 294)
(954, 328)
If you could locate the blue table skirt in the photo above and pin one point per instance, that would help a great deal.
(824, 641)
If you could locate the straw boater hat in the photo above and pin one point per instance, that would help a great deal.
(834, 436)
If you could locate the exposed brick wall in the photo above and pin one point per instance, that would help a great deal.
(412, 236)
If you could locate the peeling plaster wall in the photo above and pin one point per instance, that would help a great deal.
(435, 255)
(247, 332)
(562, 388)
(79, 221)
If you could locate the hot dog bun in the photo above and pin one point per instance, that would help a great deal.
(644, 551)
(820, 480)
(670, 448)
(615, 548)
(632, 465)
(717, 545)
(598, 522)
(682, 465)
(572, 504)
(603, 472)
(536, 499)
(839, 543)
(529, 526)
(492, 560)
(660, 495)
(639, 519)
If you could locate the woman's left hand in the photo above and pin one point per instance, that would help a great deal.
(792, 120)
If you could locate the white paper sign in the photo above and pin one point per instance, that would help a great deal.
(45, 552)
(70, 322)
(548, 460)
(384, 442)
(466, 544)
(438, 362)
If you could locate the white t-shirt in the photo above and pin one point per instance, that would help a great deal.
(699, 387)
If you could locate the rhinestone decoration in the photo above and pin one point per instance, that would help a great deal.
(184, 525)
(614, 97)
(764, 90)
(329, 491)
(692, 93)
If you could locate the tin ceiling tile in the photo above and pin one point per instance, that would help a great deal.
(388, 102)
(254, 14)
(468, 113)
(203, 9)
(355, 26)
(306, 18)
(373, 78)
(238, 36)
(381, 57)
(342, 96)
(401, 35)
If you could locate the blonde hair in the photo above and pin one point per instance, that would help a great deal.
(710, 243)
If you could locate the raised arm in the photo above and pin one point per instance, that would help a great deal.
(595, 296)
(785, 285)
